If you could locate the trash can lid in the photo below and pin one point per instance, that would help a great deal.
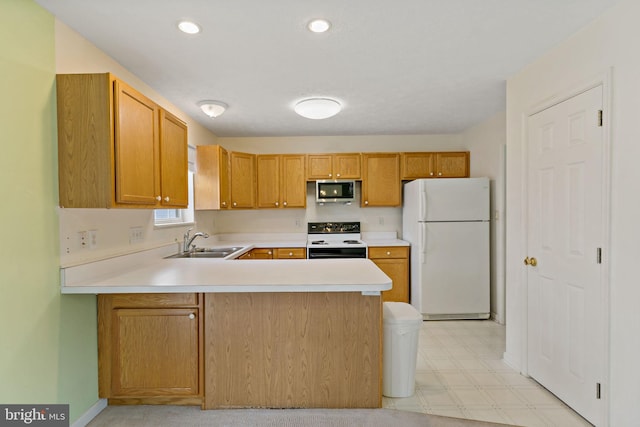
(400, 312)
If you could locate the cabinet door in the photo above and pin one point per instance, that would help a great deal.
(268, 180)
(347, 166)
(155, 352)
(293, 184)
(452, 165)
(243, 180)
(381, 184)
(290, 253)
(417, 165)
(397, 270)
(212, 178)
(136, 147)
(319, 166)
(173, 161)
(258, 253)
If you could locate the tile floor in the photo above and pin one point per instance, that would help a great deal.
(460, 373)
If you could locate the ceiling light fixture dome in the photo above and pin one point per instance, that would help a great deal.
(319, 25)
(318, 108)
(189, 27)
(213, 109)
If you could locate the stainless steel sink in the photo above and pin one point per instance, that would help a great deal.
(207, 253)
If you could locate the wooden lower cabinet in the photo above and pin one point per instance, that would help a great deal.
(277, 253)
(150, 348)
(394, 262)
(293, 350)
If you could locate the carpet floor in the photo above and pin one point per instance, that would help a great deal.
(189, 416)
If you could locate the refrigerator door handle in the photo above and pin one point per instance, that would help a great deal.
(422, 209)
(423, 242)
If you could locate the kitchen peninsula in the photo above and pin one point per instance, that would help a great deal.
(236, 334)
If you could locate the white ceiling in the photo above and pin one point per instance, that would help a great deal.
(398, 67)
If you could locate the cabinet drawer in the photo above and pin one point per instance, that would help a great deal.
(290, 253)
(153, 300)
(389, 252)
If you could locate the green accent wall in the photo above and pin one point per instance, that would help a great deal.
(48, 351)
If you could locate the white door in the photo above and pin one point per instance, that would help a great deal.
(565, 230)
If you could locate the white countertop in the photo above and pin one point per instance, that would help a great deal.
(150, 273)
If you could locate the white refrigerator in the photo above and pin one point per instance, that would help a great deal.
(447, 223)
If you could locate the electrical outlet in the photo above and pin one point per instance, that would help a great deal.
(298, 223)
(136, 235)
(381, 220)
(83, 239)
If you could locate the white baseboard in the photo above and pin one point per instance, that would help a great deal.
(90, 414)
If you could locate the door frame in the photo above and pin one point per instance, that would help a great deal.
(603, 79)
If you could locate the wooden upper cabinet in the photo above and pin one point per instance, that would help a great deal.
(381, 184)
(293, 183)
(281, 181)
(435, 165)
(174, 172)
(109, 146)
(212, 190)
(136, 146)
(268, 173)
(333, 166)
(242, 173)
(452, 165)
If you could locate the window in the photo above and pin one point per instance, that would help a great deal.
(168, 217)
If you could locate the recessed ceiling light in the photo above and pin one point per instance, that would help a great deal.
(319, 25)
(318, 108)
(189, 27)
(213, 109)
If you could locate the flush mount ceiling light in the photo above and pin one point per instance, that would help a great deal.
(189, 27)
(213, 109)
(319, 25)
(318, 108)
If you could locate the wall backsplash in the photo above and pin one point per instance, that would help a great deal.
(295, 220)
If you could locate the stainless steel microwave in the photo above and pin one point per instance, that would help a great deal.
(335, 191)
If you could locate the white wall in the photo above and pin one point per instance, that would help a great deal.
(486, 142)
(74, 54)
(607, 42)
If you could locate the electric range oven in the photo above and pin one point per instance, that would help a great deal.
(335, 240)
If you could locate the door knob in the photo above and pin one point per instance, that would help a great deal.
(530, 261)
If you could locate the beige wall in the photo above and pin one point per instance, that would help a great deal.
(486, 142)
(582, 59)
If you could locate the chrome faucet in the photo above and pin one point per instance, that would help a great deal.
(188, 240)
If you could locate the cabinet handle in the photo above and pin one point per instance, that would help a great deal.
(277, 204)
(192, 316)
(431, 174)
(158, 198)
(388, 253)
(235, 204)
(224, 203)
(439, 173)
(166, 199)
(330, 175)
(284, 203)
(290, 253)
(270, 253)
(338, 175)
(366, 202)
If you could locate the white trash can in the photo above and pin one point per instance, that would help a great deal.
(401, 328)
